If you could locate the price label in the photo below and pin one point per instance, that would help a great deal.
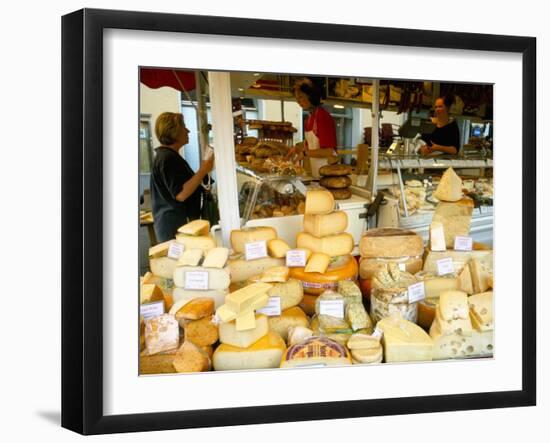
(256, 249)
(445, 266)
(378, 333)
(273, 307)
(463, 243)
(300, 187)
(175, 250)
(402, 267)
(196, 280)
(483, 209)
(151, 310)
(334, 308)
(416, 292)
(296, 258)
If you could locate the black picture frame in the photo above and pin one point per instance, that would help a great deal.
(82, 189)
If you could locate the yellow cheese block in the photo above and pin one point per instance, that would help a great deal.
(160, 250)
(328, 224)
(229, 334)
(332, 245)
(318, 262)
(404, 340)
(460, 259)
(481, 310)
(465, 280)
(453, 305)
(150, 293)
(245, 298)
(277, 274)
(319, 201)
(204, 242)
(263, 354)
(240, 237)
(478, 344)
(245, 321)
(277, 248)
(288, 319)
(216, 258)
(459, 326)
(163, 267)
(435, 285)
(480, 276)
(455, 218)
(195, 228)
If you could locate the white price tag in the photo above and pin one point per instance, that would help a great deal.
(416, 292)
(445, 266)
(196, 280)
(175, 250)
(151, 310)
(334, 308)
(402, 266)
(300, 187)
(463, 243)
(296, 258)
(378, 333)
(256, 249)
(483, 209)
(273, 307)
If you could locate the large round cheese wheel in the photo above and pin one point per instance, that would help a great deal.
(316, 351)
(341, 268)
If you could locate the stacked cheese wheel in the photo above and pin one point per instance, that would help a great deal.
(336, 179)
(330, 260)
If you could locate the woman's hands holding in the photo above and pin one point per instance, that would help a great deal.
(425, 150)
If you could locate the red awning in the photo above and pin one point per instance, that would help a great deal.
(177, 79)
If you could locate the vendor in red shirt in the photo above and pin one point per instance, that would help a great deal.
(319, 129)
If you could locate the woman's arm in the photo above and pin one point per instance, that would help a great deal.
(447, 149)
(194, 182)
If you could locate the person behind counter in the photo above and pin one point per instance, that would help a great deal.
(319, 128)
(445, 137)
(175, 188)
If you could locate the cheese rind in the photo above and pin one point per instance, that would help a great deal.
(318, 262)
(195, 228)
(182, 296)
(201, 332)
(370, 266)
(240, 237)
(263, 354)
(150, 293)
(481, 310)
(229, 334)
(277, 274)
(315, 283)
(191, 358)
(460, 259)
(204, 242)
(289, 318)
(161, 334)
(450, 187)
(160, 250)
(437, 237)
(216, 258)
(316, 351)
(404, 341)
(277, 248)
(327, 224)
(218, 279)
(480, 276)
(319, 202)
(332, 245)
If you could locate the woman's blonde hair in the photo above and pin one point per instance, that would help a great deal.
(168, 126)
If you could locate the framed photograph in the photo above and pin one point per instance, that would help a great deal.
(241, 247)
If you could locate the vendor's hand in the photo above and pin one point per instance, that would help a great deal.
(291, 152)
(208, 164)
(425, 150)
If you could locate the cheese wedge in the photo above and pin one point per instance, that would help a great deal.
(242, 270)
(318, 262)
(195, 228)
(245, 298)
(161, 334)
(190, 257)
(204, 242)
(481, 311)
(160, 250)
(163, 267)
(230, 335)
(455, 217)
(404, 341)
(150, 293)
(277, 248)
(277, 274)
(265, 353)
(453, 305)
(465, 281)
(450, 187)
(291, 318)
(480, 276)
(437, 237)
(332, 245)
(216, 258)
(239, 238)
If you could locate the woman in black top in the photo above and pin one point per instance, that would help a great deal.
(175, 188)
(445, 137)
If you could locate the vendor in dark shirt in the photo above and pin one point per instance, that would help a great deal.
(175, 188)
(445, 137)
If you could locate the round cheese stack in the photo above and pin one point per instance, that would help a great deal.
(336, 179)
(316, 351)
(314, 283)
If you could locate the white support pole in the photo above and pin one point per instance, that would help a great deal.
(224, 148)
(373, 169)
(202, 119)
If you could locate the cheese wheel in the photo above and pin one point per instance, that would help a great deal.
(332, 245)
(335, 182)
(391, 242)
(240, 237)
(316, 351)
(264, 353)
(335, 170)
(241, 270)
(328, 224)
(163, 267)
(196, 227)
(341, 194)
(315, 283)
(319, 201)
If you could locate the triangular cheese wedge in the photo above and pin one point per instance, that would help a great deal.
(450, 187)
(465, 280)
